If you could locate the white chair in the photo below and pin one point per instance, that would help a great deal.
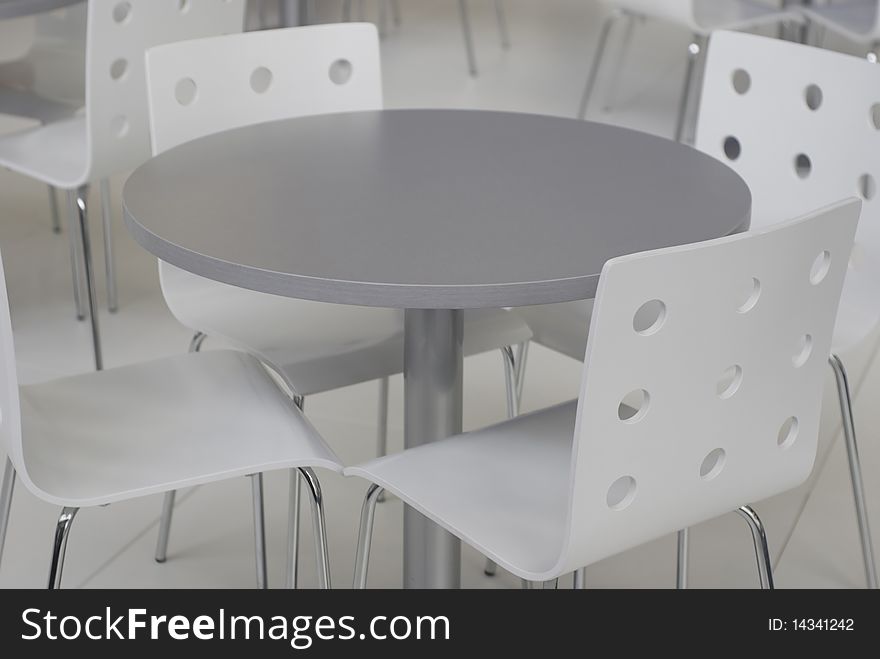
(112, 135)
(718, 406)
(802, 127)
(464, 15)
(856, 20)
(106, 437)
(200, 87)
(42, 61)
(701, 18)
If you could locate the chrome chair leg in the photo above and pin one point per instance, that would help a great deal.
(85, 243)
(365, 536)
(468, 37)
(293, 517)
(259, 531)
(319, 524)
(346, 11)
(75, 257)
(580, 579)
(165, 526)
(109, 262)
(293, 529)
(620, 60)
(695, 48)
(598, 56)
(59, 549)
(681, 571)
(501, 18)
(53, 208)
(762, 549)
(6, 488)
(553, 584)
(855, 469)
(522, 354)
(510, 381)
(195, 345)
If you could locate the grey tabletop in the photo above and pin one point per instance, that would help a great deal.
(17, 8)
(426, 209)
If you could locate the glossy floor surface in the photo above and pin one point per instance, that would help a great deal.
(812, 530)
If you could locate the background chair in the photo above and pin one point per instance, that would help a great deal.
(101, 438)
(112, 135)
(725, 344)
(201, 87)
(856, 20)
(701, 17)
(802, 127)
(393, 7)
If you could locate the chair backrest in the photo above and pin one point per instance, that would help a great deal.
(802, 127)
(703, 380)
(119, 33)
(205, 86)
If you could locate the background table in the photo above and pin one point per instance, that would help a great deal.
(432, 211)
(17, 8)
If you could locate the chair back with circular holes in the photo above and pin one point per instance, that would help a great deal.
(802, 127)
(205, 86)
(119, 34)
(703, 380)
(200, 87)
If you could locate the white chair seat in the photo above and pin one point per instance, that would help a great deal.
(855, 19)
(314, 346)
(101, 437)
(560, 327)
(504, 489)
(55, 153)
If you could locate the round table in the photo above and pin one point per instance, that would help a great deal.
(432, 211)
(17, 8)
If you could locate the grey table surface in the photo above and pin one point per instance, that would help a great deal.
(426, 209)
(17, 8)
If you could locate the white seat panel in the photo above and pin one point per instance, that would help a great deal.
(55, 153)
(97, 438)
(503, 489)
(314, 346)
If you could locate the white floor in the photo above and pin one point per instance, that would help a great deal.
(812, 530)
